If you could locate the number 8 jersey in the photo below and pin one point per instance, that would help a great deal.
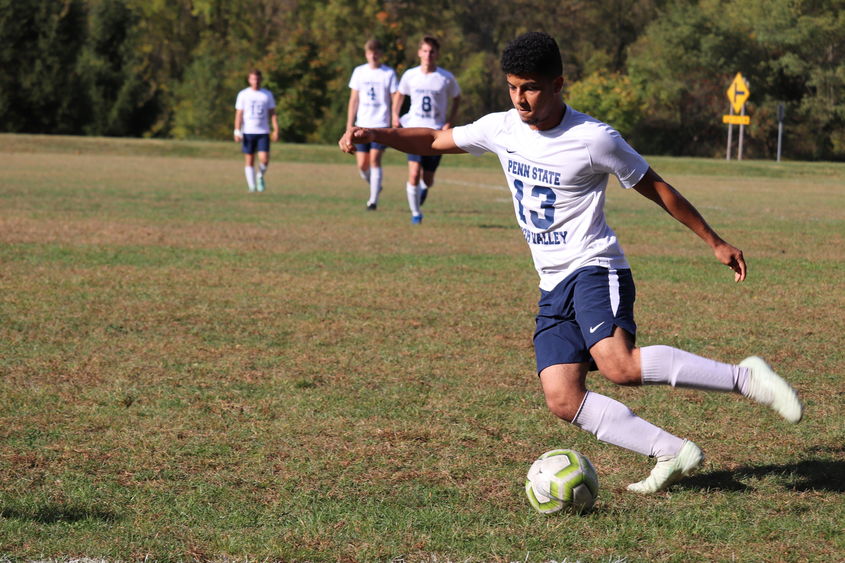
(430, 95)
(558, 178)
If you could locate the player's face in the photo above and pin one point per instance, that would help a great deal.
(428, 55)
(255, 81)
(373, 57)
(537, 99)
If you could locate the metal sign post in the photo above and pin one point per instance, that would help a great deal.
(730, 134)
(738, 93)
(780, 127)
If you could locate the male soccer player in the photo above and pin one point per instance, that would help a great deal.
(557, 162)
(255, 109)
(431, 88)
(371, 87)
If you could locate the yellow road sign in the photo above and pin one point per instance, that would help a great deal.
(738, 92)
(737, 119)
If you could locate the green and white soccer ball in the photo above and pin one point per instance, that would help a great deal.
(562, 480)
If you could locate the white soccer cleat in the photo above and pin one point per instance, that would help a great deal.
(670, 470)
(768, 388)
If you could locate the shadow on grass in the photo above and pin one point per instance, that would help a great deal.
(810, 475)
(52, 514)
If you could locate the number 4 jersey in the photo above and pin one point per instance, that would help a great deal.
(430, 94)
(558, 179)
(375, 86)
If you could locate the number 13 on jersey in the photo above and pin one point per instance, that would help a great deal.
(545, 195)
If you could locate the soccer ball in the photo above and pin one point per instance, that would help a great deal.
(562, 480)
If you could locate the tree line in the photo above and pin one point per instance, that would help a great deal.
(657, 70)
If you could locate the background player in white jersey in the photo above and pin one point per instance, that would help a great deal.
(371, 87)
(431, 89)
(255, 110)
(557, 162)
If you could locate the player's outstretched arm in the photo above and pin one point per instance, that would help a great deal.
(654, 188)
(412, 140)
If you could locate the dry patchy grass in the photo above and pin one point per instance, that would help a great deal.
(188, 372)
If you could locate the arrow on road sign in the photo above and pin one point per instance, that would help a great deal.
(738, 92)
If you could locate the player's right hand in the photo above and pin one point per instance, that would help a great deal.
(353, 136)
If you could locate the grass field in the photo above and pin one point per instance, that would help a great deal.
(191, 372)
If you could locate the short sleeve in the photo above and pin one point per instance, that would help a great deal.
(611, 154)
(353, 80)
(454, 88)
(239, 101)
(404, 86)
(476, 138)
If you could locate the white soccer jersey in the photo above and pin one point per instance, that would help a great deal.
(375, 86)
(558, 180)
(430, 95)
(256, 105)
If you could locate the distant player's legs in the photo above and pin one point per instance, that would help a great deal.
(412, 187)
(263, 163)
(429, 167)
(262, 146)
(414, 171)
(375, 175)
(362, 160)
(249, 170)
(427, 182)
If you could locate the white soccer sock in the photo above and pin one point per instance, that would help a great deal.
(365, 174)
(262, 169)
(250, 177)
(612, 422)
(664, 365)
(375, 184)
(413, 198)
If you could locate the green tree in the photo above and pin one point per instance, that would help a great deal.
(205, 97)
(107, 63)
(683, 66)
(39, 90)
(610, 98)
(790, 51)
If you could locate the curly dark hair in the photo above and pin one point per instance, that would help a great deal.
(533, 54)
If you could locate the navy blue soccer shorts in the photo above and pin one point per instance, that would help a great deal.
(429, 163)
(367, 147)
(581, 310)
(255, 142)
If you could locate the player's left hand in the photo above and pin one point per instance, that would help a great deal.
(731, 257)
